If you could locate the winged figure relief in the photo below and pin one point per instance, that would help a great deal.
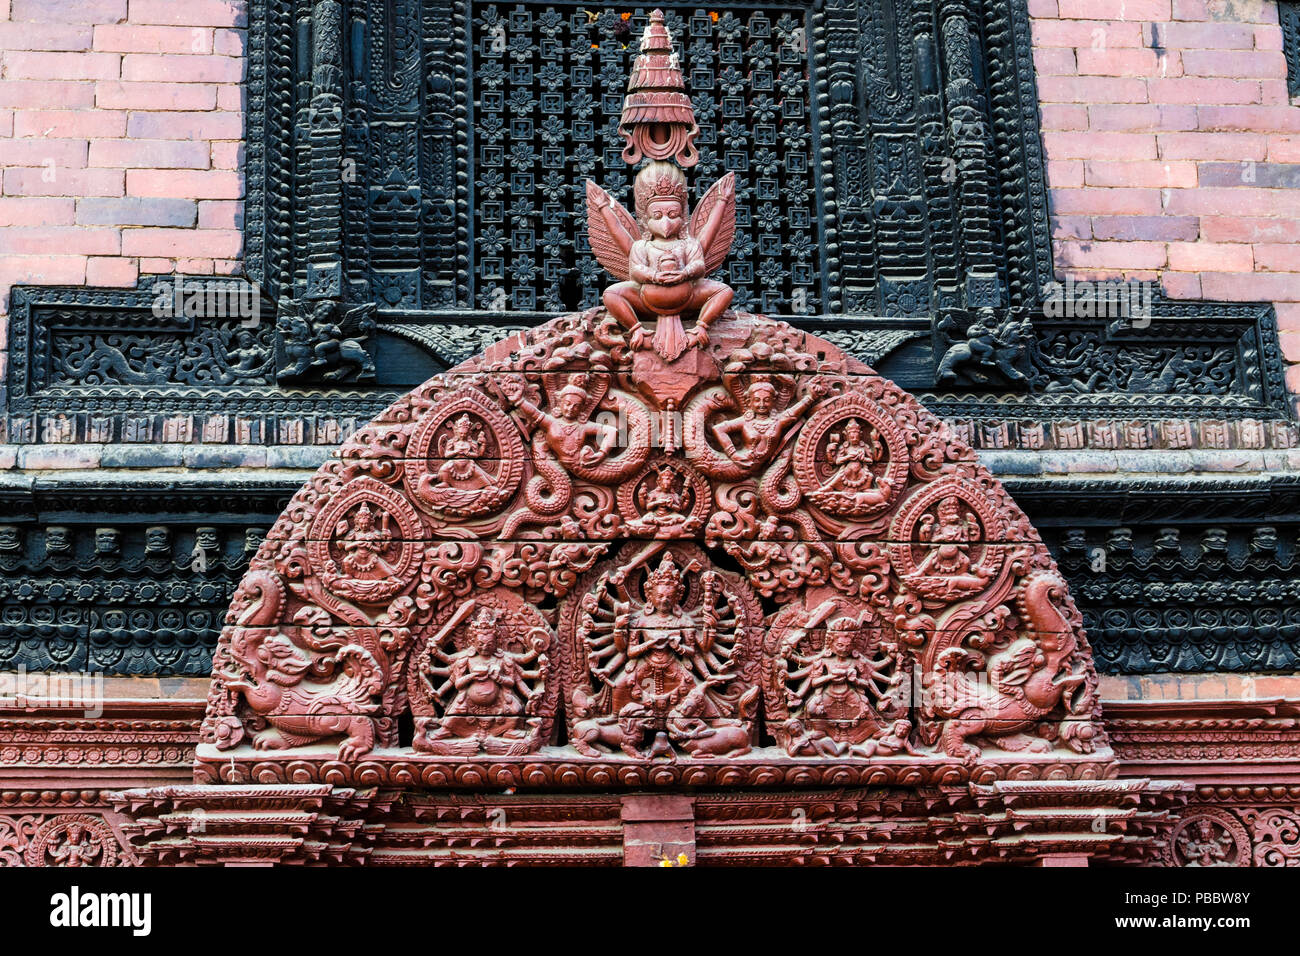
(663, 257)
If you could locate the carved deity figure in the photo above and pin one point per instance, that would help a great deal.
(568, 433)
(363, 545)
(852, 484)
(459, 451)
(835, 690)
(948, 534)
(1206, 843)
(760, 427)
(663, 506)
(492, 690)
(664, 257)
(77, 847)
(852, 456)
(666, 667)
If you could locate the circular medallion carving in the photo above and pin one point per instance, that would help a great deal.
(74, 839)
(666, 498)
(851, 458)
(941, 540)
(468, 457)
(1208, 836)
(365, 543)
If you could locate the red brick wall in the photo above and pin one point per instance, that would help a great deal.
(121, 139)
(1173, 150)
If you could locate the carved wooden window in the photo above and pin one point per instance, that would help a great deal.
(887, 151)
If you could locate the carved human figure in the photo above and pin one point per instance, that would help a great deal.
(852, 456)
(363, 545)
(78, 847)
(662, 506)
(890, 740)
(567, 432)
(666, 666)
(751, 438)
(664, 267)
(459, 449)
(1206, 843)
(835, 687)
(490, 688)
(661, 637)
(802, 742)
(948, 533)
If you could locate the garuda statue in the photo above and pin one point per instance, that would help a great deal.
(663, 255)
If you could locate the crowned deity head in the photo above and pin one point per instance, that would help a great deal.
(950, 511)
(661, 201)
(461, 427)
(840, 635)
(761, 397)
(483, 631)
(570, 399)
(664, 586)
(365, 519)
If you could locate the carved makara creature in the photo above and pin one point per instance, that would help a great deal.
(662, 257)
(306, 688)
(1025, 682)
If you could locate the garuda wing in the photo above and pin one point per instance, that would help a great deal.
(611, 230)
(713, 222)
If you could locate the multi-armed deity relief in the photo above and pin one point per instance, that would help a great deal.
(657, 533)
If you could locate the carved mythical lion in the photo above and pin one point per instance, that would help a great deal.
(271, 661)
(1025, 682)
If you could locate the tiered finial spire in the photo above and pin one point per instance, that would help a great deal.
(658, 120)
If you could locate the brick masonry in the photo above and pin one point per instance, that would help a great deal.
(1173, 152)
(1173, 149)
(121, 140)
